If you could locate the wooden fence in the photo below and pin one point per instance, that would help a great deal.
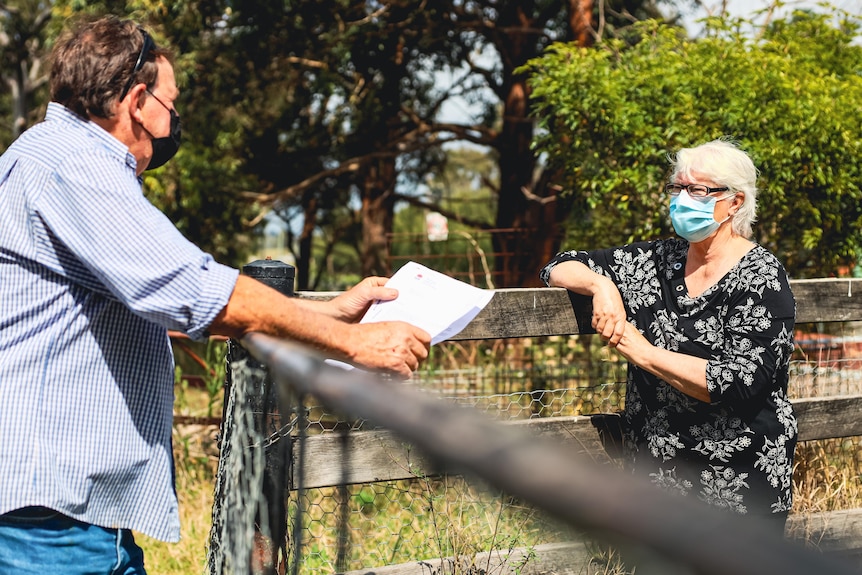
(370, 456)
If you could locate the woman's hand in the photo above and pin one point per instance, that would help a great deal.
(633, 345)
(609, 314)
(686, 373)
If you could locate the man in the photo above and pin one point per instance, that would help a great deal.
(91, 277)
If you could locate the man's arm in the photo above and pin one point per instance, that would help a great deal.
(394, 347)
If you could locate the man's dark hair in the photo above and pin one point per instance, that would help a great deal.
(94, 61)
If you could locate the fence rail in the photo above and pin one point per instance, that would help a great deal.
(543, 472)
(381, 455)
(415, 439)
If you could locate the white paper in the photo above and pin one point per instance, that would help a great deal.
(435, 302)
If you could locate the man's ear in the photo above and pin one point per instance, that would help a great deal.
(135, 100)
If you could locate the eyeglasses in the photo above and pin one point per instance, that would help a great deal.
(694, 190)
(149, 46)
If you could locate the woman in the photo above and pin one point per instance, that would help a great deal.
(706, 324)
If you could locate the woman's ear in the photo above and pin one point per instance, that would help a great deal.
(737, 202)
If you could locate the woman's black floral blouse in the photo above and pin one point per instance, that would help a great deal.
(735, 452)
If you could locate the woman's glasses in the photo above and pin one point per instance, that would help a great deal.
(694, 190)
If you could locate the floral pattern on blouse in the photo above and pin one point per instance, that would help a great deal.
(735, 452)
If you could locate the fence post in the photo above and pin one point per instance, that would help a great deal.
(270, 531)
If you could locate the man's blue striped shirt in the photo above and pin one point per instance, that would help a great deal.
(91, 278)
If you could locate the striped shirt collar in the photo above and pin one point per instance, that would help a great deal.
(57, 112)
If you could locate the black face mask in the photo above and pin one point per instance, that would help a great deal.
(165, 148)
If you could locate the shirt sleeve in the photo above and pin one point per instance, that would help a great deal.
(96, 228)
(632, 268)
(598, 261)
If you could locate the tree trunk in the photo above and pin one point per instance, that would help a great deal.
(516, 262)
(378, 203)
(526, 205)
(303, 263)
(581, 22)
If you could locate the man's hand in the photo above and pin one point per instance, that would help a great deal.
(352, 304)
(393, 347)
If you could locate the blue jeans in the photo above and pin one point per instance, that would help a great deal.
(39, 540)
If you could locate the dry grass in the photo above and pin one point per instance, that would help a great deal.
(196, 457)
(828, 475)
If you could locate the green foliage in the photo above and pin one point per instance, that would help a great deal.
(609, 116)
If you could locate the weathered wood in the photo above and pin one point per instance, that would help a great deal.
(830, 531)
(368, 456)
(530, 312)
(376, 455)
(828, 417)
(533, 312)
(827, 300)
(837, 532)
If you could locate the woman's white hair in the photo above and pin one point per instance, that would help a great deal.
(728, 166)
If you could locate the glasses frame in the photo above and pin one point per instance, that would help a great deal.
(148, 46)
(159, 100)
(675, 189)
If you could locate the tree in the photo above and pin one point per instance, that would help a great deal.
(23, 33)
(374, 66)
(327, 113)
(609, 116)
(333, 101)
(515, 32)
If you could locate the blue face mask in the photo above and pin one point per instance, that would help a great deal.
(693, 219)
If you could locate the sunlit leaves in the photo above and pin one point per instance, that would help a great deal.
(790, 97)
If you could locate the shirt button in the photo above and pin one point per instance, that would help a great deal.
(677, 266)
(679, 288)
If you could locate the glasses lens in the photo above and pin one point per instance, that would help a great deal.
(697, 190)
(673, 189)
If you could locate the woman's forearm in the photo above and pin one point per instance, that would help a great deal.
(686, 373)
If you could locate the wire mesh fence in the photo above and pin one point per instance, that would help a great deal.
(353, 527)
(368, 526)
(392, 522)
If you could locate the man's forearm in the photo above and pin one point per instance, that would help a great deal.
(256, 307)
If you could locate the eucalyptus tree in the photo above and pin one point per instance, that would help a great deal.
(331, 103)
(327, 112)
(505, 35)
(339, 106)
